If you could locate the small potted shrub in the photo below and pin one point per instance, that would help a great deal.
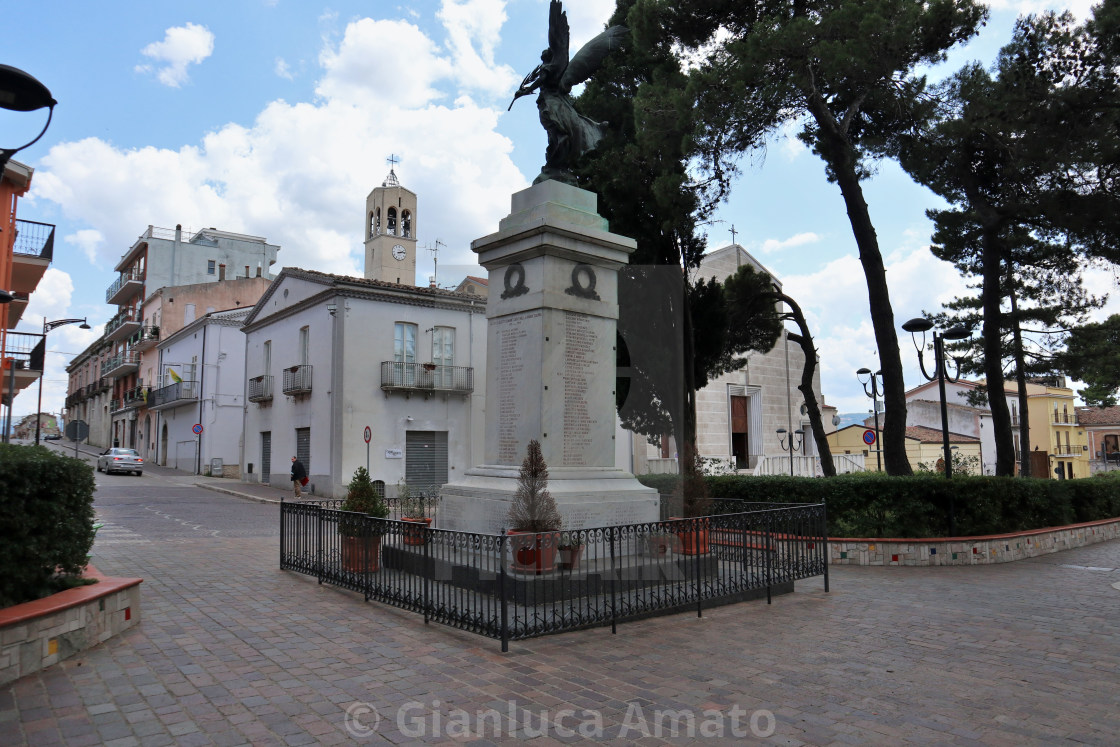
(361, 538)
(571, 548)
(533, 516)
(414, 510)
(693, 533)
(659, 544)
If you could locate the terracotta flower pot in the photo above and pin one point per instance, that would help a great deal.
(693, 536)
(569, 558)
(533, 552)
(416, 535)
(361, 554)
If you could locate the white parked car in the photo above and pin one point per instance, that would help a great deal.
(120, 460)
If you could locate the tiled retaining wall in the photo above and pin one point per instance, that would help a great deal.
(35, 635)
(993, 548)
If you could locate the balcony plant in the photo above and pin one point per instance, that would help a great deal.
(360, 537)
(533, 516)
(413, 509)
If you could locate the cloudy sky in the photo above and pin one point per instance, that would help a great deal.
(275, 118)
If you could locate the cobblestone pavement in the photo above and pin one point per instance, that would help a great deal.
(232, 651)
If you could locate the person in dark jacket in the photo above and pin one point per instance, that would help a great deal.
(299, 472)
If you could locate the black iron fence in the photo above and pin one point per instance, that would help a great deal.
(518, 586)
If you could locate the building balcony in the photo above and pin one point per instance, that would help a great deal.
(16, 308)
(32, 253)
(20, 359)
(297, 379)
(427, 378)
(260, 389)
(144, 338)
(120, 365)
(125, 287)
(137, 396)
(174, 395)
(1064, 418)
(123, 325)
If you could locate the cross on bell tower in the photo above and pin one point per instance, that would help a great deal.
(391, 231)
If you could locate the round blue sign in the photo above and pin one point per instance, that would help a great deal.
(197, 429)
(869, 437)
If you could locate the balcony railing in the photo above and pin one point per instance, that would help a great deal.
(19, 346)
(120, 364)
(144, 338)
(34, 239)
(125, 287)
(426, 377)
(173, 395)
(1064, 418)
(137, 395)
(122, 325)
(260, 388)
(297, 379)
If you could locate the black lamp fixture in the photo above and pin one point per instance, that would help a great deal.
(792, 447)
(874, 391)
(940, 372)
(20, 92)
(47, 327)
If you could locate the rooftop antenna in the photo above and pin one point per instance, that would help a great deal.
(435, 258)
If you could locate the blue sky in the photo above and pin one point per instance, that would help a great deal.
(276, 117)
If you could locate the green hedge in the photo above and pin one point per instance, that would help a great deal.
(875, 505)
(46, 521)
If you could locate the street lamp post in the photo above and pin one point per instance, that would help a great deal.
(20, 92)
(875, 380)
(914, 326)
(47, 327)
(792, 448)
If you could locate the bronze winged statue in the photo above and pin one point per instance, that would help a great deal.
(570, 134)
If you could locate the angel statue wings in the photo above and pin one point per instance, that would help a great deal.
(570, 134)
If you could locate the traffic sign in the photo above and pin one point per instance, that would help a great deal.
(368, 434)
(77, 430)
(196, 429)
(869, 437)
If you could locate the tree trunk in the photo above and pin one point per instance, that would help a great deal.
(993, 349)
(841, 159)
(1021, 384)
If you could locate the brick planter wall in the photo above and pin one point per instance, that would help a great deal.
(36, 635)
(992, 548)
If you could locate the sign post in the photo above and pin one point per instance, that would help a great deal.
(367, 435)
(77, 430)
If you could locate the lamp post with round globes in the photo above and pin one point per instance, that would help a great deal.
(47, 327)
(875, 380)
(792, 448)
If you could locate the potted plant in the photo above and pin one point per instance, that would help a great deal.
(692, 529)
(413, 510)
(361, 538)
(659, 544)
(533, 516)
(570, 546)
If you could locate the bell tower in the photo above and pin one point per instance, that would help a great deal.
(390, 232)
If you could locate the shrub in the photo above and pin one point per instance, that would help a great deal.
(46, 522)
(361, 498)
(533, 509)
(876, 505)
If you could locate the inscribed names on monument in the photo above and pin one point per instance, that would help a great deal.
(581, 363)
(512, 336)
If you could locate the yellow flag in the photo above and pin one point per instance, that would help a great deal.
(174, 376)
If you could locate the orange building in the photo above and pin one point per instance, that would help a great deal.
(26, 250)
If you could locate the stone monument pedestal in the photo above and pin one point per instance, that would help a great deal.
(550, 366)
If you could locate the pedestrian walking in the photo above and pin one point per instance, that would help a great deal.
(299, 476)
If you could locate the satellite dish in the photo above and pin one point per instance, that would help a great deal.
(836, 420)
(804, 408)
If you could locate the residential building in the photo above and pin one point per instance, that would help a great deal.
(165, 258)
(925, 448)
(963, 420)
(329, 356)
(1059, 445)
(89, 394)
(26, 251)
(739, 413)
(1102, 431)
(472, 285)
(200, 382)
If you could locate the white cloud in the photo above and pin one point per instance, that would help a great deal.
(300, 172)
(181, 46)
(88, 240)
(770, 246)
(282, 69)
(585, 19)
(1079, 8)
(473, 31)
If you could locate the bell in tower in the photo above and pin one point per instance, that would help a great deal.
(391, 231)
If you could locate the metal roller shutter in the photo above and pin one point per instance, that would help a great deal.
(425, 459)
(266, 456)
(303, 447)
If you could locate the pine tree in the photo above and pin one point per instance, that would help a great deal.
(533, 508)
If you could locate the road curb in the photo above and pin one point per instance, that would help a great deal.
(235, 493)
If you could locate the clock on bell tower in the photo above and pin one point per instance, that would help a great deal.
(390, 232)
